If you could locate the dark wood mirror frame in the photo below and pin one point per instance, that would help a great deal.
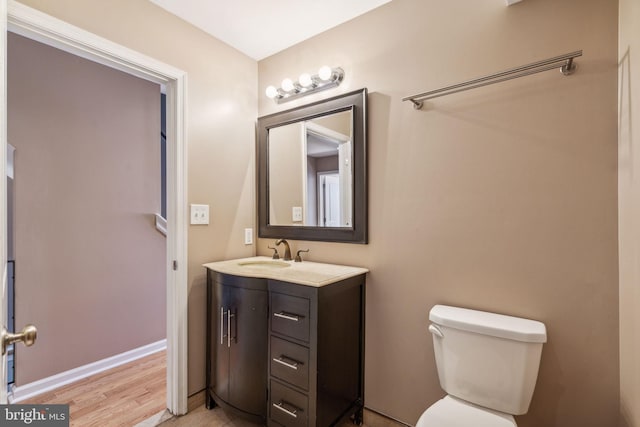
(355, 101)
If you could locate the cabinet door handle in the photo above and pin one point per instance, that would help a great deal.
(234, 338)
(288, 316)
(293, 412)
(293, 364)
(222, 335)
(229, 316)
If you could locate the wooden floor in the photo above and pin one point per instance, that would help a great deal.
(122, 396)
(201, 417)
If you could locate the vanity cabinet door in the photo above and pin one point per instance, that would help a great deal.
(219, 351)
(248, 350)
(237, 337)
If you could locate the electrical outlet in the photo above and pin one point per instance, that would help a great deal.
(248, 236)
(199, 214)
(296, 214)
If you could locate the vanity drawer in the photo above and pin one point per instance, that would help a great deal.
(287, 406)
(290, 316)
(290, 362)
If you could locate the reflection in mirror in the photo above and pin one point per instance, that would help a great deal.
(310, 172)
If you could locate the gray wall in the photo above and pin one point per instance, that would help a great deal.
(90, 264)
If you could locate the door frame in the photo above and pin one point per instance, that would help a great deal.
(320, 195)
(36, 25)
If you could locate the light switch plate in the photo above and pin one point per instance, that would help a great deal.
(248, 236)
(199, 214)
(296, 213)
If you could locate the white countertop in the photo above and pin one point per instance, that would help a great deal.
(303, 273)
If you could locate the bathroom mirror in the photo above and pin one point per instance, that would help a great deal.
(312, 171)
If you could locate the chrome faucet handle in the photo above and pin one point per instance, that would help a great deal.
(275, 253)
(298, 257)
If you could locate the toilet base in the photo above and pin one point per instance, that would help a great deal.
(453, 412)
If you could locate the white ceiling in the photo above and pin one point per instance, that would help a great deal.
(260, 28)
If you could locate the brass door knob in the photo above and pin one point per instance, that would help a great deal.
(27, 336)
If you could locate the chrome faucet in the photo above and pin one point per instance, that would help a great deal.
(287, 249)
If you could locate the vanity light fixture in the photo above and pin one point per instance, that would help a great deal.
(326, 78)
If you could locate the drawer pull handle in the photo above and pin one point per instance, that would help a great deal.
(293, 364)
(293, 412)
(288, 316)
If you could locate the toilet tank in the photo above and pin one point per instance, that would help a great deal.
(487, 359)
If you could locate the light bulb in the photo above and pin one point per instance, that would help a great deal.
(271, 92)
(287, 85)
(305, 80)
(325, 72)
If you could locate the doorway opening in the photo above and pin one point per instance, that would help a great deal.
(87, 175)
(327, 174)
(36, 25)
(329, 199)
(11, 264)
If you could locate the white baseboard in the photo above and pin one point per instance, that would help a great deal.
(35, 388)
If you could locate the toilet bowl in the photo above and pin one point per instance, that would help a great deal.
(452, 412)
(488, 365)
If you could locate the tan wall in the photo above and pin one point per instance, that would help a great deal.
(221, 113)
(340, 123)
(285, 173)
(502, 198)
(629, 211)
(89, 259)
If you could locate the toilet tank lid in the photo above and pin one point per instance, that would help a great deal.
(482, 322)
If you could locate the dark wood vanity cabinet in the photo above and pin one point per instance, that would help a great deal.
(237, 344)
(316, 353)
(285, 354)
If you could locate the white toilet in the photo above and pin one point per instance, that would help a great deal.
(488, 365)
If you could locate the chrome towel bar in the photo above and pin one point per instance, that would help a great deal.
(564, 62)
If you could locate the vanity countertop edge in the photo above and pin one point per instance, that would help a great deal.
(306, 273)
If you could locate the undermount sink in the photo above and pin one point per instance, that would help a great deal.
(265, 263)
